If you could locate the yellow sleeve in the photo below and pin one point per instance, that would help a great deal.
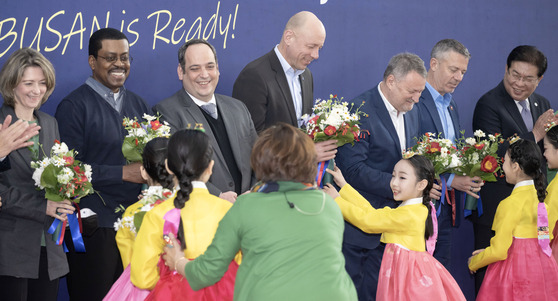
(507, 216)
(148, 247)
(125, 238)
(359, 212)
(125, 241)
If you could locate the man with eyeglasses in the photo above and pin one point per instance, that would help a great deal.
(90, 121)
(510, 108)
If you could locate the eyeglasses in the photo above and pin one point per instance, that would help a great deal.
(526, 79)
(112, 59)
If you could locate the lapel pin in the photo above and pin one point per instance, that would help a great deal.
(536, 104)
(451, 108)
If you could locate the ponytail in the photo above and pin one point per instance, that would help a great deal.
(528, 155)
(189, 155)
(424, 170)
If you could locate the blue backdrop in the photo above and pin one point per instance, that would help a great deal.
(361, 37)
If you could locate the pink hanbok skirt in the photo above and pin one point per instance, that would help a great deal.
(413, 275)
(554, 243)
(124, 289)
(173, 287)
(527, 274)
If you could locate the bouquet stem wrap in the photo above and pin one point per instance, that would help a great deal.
(58, 230)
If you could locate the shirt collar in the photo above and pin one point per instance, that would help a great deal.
(439, 98)
(286, 67)
(200, 103)
(102, 89)
(524, 183)
(198, 184)
(411, 202)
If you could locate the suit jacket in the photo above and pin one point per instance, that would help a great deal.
(23, 218)
(180, 111)
(496, 112)
(5, 164)
(263, 87)
(429, 117)
(368, 164)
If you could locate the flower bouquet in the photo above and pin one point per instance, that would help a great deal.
(133, 216)
(479, 158)
(63, 177)
(139, 133)
(441, 152)
(332, 119)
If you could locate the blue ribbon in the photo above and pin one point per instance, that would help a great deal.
(321, 172)
(442, 198)
(73, 222)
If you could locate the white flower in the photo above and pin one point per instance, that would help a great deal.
(335, 117)
(88, 172)
(37, 176)
(65, 176)
(470, 141)
(148, 117)
(59, 148)
(480, 134)
(491, 137)
(455, 161)
(58, 161)
(118, 224)
(475, 158)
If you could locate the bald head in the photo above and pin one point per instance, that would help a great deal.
(302, 39)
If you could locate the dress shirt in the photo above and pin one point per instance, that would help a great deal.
(114, 99)
(397, 119)
(200, 103)
(294, 84)
(442, 103)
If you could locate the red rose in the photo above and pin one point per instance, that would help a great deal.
(479, 146)
(466, 148)
(69, 160)
(330, 130)
(155, 124)
(136, 125)
(489, 164)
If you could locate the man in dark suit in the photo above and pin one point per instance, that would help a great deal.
(14, 136)
(278, 87)
(226, 120)
(392, 124)
(510, 108)
(439, 115)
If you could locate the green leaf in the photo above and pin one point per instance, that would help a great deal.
(130, 150)
(48, 177)
(53, 196)
(138, 219)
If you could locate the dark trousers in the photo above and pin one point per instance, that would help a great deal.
(92, 273)
(483, 234)
(363, 265)
(25, 289)
(442, 253)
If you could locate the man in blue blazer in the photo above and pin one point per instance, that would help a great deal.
(439, 115)
(500, 111)
(392, 123)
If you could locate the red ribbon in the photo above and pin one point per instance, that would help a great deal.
(450, 199)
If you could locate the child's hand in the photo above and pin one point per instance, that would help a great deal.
(337, 177)
(469, 260)
(329, 189)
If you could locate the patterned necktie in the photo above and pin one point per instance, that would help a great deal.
(210, 109)
(526, 115)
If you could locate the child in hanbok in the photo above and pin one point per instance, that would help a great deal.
(160, 188)
(192, 215)
(407, 272)
(520, 266)
(551, 155)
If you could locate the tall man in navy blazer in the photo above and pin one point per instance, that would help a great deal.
(368, 165)
(278, 87)
(231, 131)
(439, 115)
(500, 111)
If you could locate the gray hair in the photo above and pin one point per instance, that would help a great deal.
(446, 45)
(403, 63)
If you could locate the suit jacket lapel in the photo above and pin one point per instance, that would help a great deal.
(196, 114)
(232, 128)
(511, 107)
(432, 110)
(455, 118)
(307, 87)
(283, 84)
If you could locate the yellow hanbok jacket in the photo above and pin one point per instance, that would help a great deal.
(403, 225)
(200, 217)
(125, 238)
(516, 216)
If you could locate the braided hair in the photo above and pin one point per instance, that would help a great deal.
(424, 170)
(528, 155)
(153, 156)
(189, 154)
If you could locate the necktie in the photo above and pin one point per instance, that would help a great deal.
(210, 109)
(526, 115)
